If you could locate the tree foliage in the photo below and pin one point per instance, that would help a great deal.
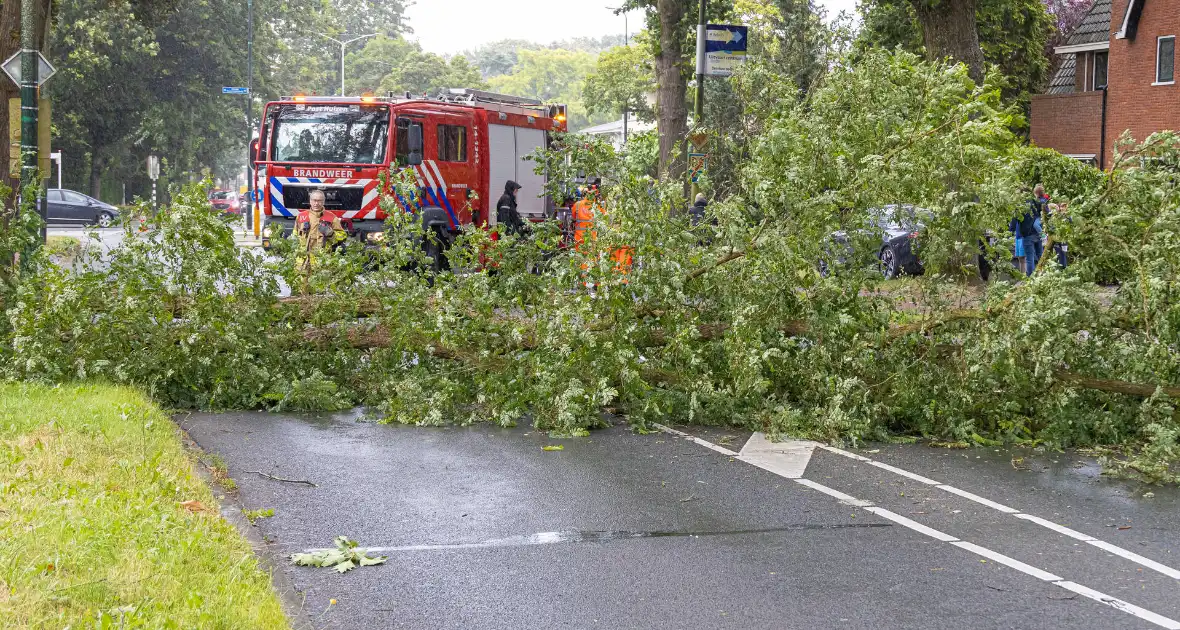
(395, 65)
(729, 321)
(551, 76)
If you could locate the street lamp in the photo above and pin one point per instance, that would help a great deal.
(342, 45)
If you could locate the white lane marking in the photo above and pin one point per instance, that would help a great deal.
(1060, 529)
(1134, 557)
(1131, 609)
(1113, 602)
(787, 459)
(836, 494)
(691, 438)
(978, 499)
(1006, 561)
(914, 525)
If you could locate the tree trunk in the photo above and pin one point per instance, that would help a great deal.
(949, 29)
(97, 165)
(673, 109)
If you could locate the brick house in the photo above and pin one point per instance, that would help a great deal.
(1118, 73)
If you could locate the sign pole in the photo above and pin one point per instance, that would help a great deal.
(249, 111)
(699, 107)
(28, 94)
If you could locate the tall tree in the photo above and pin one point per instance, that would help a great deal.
(1014, 35)
(670, 74)
(950, 29)
(359, 17)
(551, 76)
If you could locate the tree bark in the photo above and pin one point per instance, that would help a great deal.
(949, 29)
(96, 171)
(672, 107)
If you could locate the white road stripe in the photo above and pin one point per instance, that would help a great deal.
(1114, 549)
(1006, 561)
(1134, 557)
(704, 443)
(1113, 602)
(978, 499)
(1060, 529)
(1131, 609)
(912, 524)
(843, 498)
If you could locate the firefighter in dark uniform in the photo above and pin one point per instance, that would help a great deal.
(318, 230)
(506, 212)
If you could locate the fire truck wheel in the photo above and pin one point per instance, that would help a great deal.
(433, 250)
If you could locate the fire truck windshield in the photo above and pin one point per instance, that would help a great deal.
(331, 133)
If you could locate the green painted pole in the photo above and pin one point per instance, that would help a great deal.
(28, 94)
(698, 112)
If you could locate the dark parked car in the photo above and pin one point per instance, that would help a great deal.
(67, 206)
(225, 201)
(895, 230)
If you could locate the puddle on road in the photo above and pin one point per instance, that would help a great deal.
(574, 536)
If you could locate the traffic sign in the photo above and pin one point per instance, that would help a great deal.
(44, 68)
(697, 163)
(235, 90)
(725, 48)
(153, 167)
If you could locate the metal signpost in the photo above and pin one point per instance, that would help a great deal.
(29, 70)
(153, 164)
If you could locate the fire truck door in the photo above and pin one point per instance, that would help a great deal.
(508, 146)
(529, 199)
(501, 164)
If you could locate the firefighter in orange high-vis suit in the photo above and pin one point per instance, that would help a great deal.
(583, 217)
(319, 230)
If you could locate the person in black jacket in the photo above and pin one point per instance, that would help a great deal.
(506, 213)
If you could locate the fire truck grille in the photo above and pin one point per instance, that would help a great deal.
(336, 198)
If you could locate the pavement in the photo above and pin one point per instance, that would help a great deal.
(710, 528)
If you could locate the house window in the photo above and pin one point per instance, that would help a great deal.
(452, 143)
(1165, 60)
(1100, 70)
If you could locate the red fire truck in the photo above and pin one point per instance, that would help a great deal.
(460, 142)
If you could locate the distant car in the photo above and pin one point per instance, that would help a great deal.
(226, 201)
(70, 207)
(898, 228)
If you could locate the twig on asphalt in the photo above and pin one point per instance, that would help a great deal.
(259, 472)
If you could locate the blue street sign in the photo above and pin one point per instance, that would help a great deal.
(725, 48)
(235, 90)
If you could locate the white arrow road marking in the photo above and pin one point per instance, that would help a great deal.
(786, 459)
(790, 452)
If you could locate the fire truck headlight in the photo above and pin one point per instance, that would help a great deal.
(266, 231)
(375, 237)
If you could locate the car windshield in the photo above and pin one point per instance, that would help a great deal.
(906, 216)
(331, 134)
(220, 195)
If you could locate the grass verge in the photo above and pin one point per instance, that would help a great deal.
(103, 522)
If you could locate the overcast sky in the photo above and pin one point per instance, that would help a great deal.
(451, 26)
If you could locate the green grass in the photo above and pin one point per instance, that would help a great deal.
(92, 530)
(62, 246)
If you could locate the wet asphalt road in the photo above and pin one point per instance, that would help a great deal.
(484, 529)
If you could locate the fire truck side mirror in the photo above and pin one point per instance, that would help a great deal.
(415, 145)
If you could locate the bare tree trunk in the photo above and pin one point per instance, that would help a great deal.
(673, 109)
(949, 29)
(97, 165)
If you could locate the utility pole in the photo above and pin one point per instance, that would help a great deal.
(698, 112)
(249, 211)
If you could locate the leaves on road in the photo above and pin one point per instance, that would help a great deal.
(559, 447)
(344, 557)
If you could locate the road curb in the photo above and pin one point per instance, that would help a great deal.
(290, 598)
